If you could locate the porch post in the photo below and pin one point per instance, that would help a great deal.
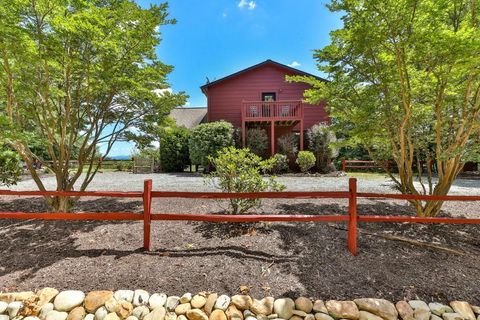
(301, 135)
(272, 137)
(243, 133)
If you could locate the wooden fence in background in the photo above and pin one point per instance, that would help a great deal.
(352, 218)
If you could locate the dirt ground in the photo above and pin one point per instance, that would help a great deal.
(280, 259)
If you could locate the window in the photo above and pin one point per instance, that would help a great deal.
(269, 96)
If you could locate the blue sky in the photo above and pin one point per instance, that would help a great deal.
(214, 38)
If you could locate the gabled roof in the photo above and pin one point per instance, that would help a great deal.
(261, 64)
(189, 117)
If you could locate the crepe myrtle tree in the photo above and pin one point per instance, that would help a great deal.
(77, 73)
(405, 84)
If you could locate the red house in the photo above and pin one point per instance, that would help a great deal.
(260, 96)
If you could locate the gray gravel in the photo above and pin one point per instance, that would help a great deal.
(124, 181)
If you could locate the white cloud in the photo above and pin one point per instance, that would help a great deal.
(161, 92)
(250, 5)
(294, 64)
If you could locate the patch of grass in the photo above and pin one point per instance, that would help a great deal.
(368, 175)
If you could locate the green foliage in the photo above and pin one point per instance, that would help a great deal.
(77, 75)
(257, 141)
(320, 141)
(404, 83)
(174, 152)
(288, 145)
(207, 139)
(305, 160)
(10, 169)
(239, 170)
(280, 163)
(120, 166)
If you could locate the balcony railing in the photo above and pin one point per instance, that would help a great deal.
(272, 110)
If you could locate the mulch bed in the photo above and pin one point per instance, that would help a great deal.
(280, 259)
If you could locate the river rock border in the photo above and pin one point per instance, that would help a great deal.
(50, 304)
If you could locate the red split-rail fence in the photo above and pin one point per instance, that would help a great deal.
(352, 218)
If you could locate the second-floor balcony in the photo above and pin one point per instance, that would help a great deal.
(281, 110)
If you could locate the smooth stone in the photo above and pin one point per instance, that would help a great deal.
(418, 304)
(111, 316)
(7, 297)
(89, 316)
(172, 303)
(421, 314)
(77, 313)
(31, 318)
(261, 317)
(435, 317)
(96, 299)
(196, 314)
(170, 316)
(3, 306)
(379, 307)
(309, 317)
(247, 313)
(233, 313)
(405, 310)
(44, 310)
(56, 315)
(126, 295)
(4, 317)
(13, 308)
(198, 301)
(284, 307)
(242, 302)
(252, 318)
(217, 315)
(156, 314)
(210, 303)
(439, 308)
(182, 317)
(101, 313)
(365, 315)
(112, 304)
(140, 312)
(342, 309)
(132, 318)
(299, 313)
(303, 304)
(272, 316)
(322, 316)
(319, 306)
(452, 316)
(476, 309)
(264, 306)
(140, 297)
(182, 308)
(463, 308)
(222, 302)
(124, 309)
(295, 317)
(186, 297)
(157, 300)
(46, 295)
(67, 300)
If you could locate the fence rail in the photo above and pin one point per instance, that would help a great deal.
(352, 218)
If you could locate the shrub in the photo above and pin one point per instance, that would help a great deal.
(305, 160)
(288, 145)
(120, 166)
(257, 141)
(281, 163)
(10, 168)
(320, 140)
(174, 151)
(239, 170)
(209, 138)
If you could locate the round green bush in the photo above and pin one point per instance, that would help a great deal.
(207, 139)
(305, 160)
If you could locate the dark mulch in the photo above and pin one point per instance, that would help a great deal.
(281, 259)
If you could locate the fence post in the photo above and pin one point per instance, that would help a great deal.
(147, 206)
(352, 216)
(344, 165)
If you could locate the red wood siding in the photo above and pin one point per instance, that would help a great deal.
(225, 98)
